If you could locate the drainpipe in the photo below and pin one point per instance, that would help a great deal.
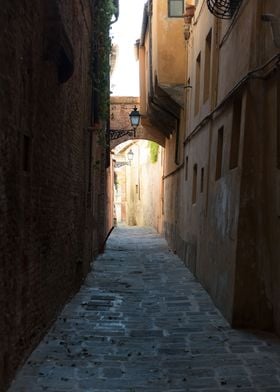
(150, 14)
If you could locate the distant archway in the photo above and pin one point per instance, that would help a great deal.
(120, 128)
(138, 185)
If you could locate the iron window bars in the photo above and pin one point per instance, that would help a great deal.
(223, 9)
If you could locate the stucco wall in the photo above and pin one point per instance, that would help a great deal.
(229, 143)
(228, 235)
(168, 59)
(256, 296)
(144, 187)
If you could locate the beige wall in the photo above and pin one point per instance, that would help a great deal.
(227, 148)
(144, 184)
(138, 192)
(228, 236)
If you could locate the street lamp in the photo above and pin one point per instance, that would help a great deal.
(134, 119)
(130, 156)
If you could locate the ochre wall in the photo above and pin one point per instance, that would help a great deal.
(168, 45)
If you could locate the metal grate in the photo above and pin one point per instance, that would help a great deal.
(223, 9)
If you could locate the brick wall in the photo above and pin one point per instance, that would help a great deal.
(120, 108)
(46, 223)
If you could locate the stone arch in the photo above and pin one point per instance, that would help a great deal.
(120, 128)
(142, 133)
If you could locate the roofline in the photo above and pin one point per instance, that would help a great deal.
(144, 23)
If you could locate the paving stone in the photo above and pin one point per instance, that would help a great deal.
(142, 323)
(265, 381)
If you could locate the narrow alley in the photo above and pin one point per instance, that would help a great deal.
(142, 322)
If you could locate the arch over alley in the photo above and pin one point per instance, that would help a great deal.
(138, 186)
(120, 127)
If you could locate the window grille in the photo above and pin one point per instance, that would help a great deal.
(223, 9)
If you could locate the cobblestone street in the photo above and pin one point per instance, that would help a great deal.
(141, 322)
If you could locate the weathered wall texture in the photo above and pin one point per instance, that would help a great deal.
(221, 173)
(45, 206)
(229, 160)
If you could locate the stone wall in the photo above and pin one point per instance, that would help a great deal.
(45, 206)
(120, 110)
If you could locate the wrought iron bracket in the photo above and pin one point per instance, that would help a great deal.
(120, 164)
(118, 133)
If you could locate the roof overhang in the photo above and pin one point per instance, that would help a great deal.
(164, 109)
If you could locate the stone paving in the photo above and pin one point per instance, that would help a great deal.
(141, 322)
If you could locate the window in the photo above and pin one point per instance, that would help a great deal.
(58, 48)
(278, 126)
(207, 66)
(26, 152)
(194, 185)
(175, 8)
(235, 133)
(89, 169)
(219, 160)
(197, 84)
(186, 168)
(202, 180)
(177, 142)
(277, 140)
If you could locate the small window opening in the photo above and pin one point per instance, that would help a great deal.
(278, 126)
(202, 180)
(197, 83)
(26, 152)
(186, 168)
(177, 140)
(219, 160)
(194, 185)
(207, 66)
(235, 133)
